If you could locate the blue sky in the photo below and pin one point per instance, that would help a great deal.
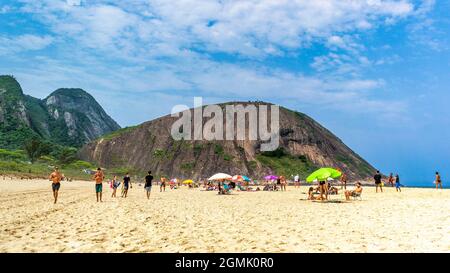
(374, 72)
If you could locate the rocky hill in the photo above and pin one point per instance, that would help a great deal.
(304, 146)
(69, 117)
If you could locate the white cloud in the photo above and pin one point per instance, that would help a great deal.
(73, 2)
(246, 27)
(153, 47)
(24, 42)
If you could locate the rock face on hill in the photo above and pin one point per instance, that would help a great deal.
(69, 117)
(304, 145)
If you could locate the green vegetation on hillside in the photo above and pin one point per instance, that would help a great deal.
(117, 133)
(285, 164)
(24, 117)
(16, 162)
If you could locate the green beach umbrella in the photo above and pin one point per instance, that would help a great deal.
(322, 174)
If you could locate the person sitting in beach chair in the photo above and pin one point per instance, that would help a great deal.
(354, 193)
(332, 190)
(225, 189)
(241, 188)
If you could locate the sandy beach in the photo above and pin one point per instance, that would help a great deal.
(191, 220)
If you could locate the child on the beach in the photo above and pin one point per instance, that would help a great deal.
(114, 184)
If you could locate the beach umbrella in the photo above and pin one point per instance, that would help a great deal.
(188, 181)
(270, 177)
(237, 178)
(322, 174)
(246, 178)
(241, 178)
(220, 176)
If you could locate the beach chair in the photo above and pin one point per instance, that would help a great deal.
(356, 195)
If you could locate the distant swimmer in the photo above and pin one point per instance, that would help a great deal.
(438, 180)
(126, 184)
(148, 184)
(56, 178)
(99, 176)
(377, 178)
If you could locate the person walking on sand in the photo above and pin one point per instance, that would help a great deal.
(391, 180)
(98, 178)
(377, 178)
(126, 185)
(56, 178)
(343, 181)
(397, 183)
(297, 181)
(283, 183)
(148, 184)
(163, 184)
(323, 189)
(115, 184)
(438, 180)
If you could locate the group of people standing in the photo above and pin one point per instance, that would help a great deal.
(99, 177)
(392, 181)
(56, 177)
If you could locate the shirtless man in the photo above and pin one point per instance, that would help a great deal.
(391, 179)
(56, 178)
(349, 194)
(283, 183)
(344, 181)
(438, 180)
(163, 184)
(99, 177)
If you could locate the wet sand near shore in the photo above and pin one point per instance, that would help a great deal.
(191, 220)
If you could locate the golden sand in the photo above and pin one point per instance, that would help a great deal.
(183, 220)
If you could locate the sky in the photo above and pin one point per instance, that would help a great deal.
(376, 73)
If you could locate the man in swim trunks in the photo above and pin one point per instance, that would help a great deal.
(343, 181)
(354, 192)
(438, 180)
(397, 183)
(377, 178)
(99, 176)
(323, 190)
(391, 180)
(56, 178)
(148, 183)
(163, 184)
(126, 185)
